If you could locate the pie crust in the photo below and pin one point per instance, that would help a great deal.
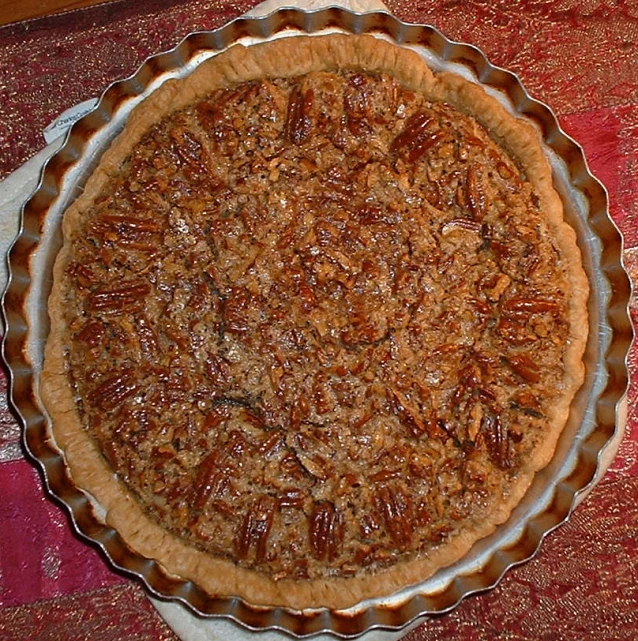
(218, 575)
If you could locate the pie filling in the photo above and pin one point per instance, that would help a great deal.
(316, 324)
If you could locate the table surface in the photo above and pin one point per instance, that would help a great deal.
(578, 56)
(17, 10)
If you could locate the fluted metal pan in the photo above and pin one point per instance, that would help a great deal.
(550, 499)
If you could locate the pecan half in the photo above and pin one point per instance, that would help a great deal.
(255, 528)
(289, 466)
(114, 390)
(124, 297)
(385, 475)
(322, 396)
(525, 367)
(298, 123)
(496, 438)
(395, 509)
(356, 104)
(521, 308)
(141, 232)
(272, 443)
(210, 480)
(416, 138)
(299, 412)
(187, 148)
(325, 532)
(92, 334)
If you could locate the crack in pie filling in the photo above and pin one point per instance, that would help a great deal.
(316, 322)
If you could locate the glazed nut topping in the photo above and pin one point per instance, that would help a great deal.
(317, 323)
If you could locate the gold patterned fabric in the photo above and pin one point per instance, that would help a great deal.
(578, 56)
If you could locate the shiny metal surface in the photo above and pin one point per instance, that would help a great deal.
(593, 420)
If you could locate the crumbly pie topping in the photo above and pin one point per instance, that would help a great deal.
(314, 331)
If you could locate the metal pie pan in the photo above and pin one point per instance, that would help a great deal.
(593, 420)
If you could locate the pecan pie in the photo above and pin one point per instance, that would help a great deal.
(316, 322)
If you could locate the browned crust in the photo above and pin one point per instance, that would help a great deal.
(288, 57)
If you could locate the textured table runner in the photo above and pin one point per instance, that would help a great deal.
(581, 58)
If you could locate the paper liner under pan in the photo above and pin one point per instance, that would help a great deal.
(593, 419)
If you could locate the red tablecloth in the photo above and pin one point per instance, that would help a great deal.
(578, 56)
